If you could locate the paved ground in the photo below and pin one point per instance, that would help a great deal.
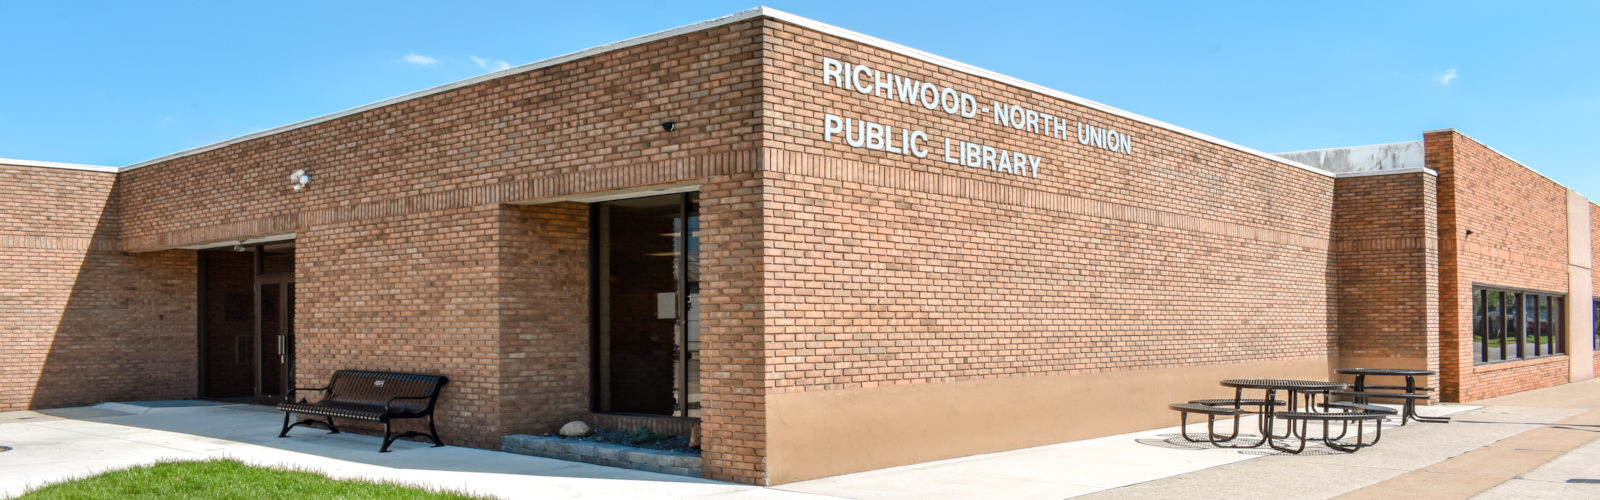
(1539, 444)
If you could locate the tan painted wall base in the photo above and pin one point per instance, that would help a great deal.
(1580, 323)
(826, 433)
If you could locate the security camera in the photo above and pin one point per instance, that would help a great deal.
(668, 126)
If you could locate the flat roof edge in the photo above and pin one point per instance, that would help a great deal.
(1351, 147)
(1397, 171)
(732, 18)
(64, 166)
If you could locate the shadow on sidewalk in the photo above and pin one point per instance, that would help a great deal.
(250, 433)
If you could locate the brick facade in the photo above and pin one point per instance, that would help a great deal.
(1387, 250)
(890, 270)
(448, 233)
(1519, 240)
(81, 322)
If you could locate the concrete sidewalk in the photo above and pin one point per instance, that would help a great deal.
(1540, 444)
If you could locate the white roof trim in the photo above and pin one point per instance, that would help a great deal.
(737, 17)
(67, 166)
(1411, 170)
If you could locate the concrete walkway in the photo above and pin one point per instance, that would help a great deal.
(1530, 445)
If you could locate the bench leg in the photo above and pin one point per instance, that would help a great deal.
(285, 432)
(433, 433)
(332, 429)
(1291, 431)
(387, 438)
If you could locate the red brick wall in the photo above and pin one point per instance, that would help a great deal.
(733, 334)
(586, 125)
(1519, 240)
(889, 269)
(543, 318)
(413, 293)
(407, 258)
(80, 322)
(1385, 231)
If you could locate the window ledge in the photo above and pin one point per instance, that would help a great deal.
(1507, 365)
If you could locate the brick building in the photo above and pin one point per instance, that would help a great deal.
(830, 252)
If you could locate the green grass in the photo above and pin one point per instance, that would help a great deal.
(225, 479)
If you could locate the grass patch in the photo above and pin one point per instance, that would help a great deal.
(226, 479)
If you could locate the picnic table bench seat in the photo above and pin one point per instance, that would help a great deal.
(1370, 387)
(1230, 402)
(1211, 413)
(1306, 417)
(1362, 407)
(370, 396)
(1364, 395)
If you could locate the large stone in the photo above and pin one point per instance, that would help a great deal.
(575, 428)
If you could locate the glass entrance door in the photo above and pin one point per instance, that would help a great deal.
(647, 333)
(274, 337)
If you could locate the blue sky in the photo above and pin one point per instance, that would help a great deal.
(116, 83)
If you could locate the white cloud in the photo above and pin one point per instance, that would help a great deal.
(420, 60)
(490, 64)
(1448, 76)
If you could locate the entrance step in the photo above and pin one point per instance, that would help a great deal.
(608, 454)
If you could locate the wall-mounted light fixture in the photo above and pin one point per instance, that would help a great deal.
(239, 247)
(1469, 232)
(669, 125)
(299, 179)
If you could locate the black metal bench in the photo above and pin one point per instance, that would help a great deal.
(369, 396)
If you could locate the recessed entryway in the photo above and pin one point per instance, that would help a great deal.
(247, 322)
(647, 289)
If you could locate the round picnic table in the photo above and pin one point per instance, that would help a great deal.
(1293, 389)
(1411, 388)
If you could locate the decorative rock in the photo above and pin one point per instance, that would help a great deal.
(575, 428)
(694, 437)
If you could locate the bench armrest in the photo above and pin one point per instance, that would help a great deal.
(386, 404)
(290, 395)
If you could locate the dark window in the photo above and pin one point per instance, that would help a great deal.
(1509, 325)
(1596, 318)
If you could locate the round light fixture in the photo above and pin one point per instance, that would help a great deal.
(299, 179)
